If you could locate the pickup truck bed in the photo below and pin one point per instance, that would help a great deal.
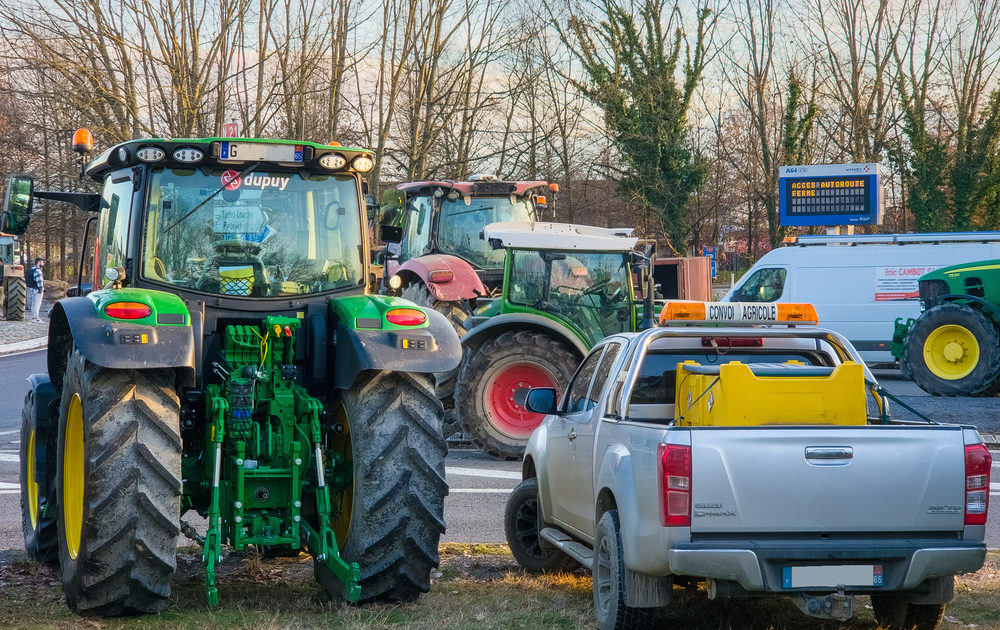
(816, 512)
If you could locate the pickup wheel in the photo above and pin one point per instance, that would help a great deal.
(522, 521)
(893, 612)
(609, 580)
(953, 350)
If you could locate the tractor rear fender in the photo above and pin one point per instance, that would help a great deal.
(499, 324)
(365, 340)
(448, 278)
(162, 339)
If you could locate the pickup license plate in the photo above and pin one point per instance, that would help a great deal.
(259, 152)
(830, 576)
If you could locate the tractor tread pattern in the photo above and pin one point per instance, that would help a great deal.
(16, 307)
(469, 395)
(127, 554)
(41, 540)
(399, 486)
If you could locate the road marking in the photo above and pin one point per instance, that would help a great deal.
(19, 430)
(10, 457)
(9, 486)
(479, 472)
(480, 490)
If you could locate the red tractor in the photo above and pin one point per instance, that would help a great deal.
(441, 260)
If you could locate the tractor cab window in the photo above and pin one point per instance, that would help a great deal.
(764, 285)
(417, 230)
(589, 290)
(113, 226)
(461, 223)
(265, 234)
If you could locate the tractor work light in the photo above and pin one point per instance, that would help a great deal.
(362, 164)
(395, 282)
(151, 154)
(188, 155)
(332, 161)
(738, 313)
(405, 316)
(128, 310)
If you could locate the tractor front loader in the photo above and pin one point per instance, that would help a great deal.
(232, 361)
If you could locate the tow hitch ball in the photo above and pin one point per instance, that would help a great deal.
(839, 605)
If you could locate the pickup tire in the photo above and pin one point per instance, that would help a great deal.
(893, 612)
(609, 580)
(489, 379)
(522, 521)
(953, 350)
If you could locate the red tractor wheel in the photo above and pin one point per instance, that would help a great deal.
(492, 380)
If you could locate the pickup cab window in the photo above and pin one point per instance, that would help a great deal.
(603, 371)
(576, 397)
(655, 384)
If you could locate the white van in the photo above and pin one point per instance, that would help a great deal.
(860, 284)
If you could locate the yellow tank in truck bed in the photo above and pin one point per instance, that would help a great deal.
(738, 394)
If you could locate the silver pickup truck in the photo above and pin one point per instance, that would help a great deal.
(815, 512)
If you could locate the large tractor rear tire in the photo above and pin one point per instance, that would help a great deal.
(392, 522)
(118, 481)
(15, 300)
(420, 294)
(40, 535)
(953, 350)
(444, 381)
(491, 380)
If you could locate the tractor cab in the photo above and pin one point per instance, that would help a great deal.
(580, 276)
(436, 256)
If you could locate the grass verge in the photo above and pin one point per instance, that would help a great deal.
(477, 587)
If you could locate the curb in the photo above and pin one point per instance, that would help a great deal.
(24, 346)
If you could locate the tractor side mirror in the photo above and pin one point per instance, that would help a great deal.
(541, 400)
(390, 234)
(389, 216)
(17, 205)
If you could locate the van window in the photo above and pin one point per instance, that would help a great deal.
(763, 285)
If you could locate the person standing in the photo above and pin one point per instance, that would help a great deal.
(36, 287)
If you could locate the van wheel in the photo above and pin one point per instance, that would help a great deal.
(953, 350)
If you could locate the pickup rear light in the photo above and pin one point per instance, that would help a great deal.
(732, 342)
(978, 462)
(675, 484)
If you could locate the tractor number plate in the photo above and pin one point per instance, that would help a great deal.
(259, 152)
(413, 344)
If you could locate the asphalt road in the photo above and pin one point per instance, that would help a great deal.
(478, 486)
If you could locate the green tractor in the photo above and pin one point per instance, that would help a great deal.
(13, 290)
(233, 362)
(565, 287)
(953, 348)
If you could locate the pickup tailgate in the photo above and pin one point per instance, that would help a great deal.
(827, 479)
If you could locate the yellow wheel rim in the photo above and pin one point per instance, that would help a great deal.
(32, 484)
(72, 481)
(341, 443)
(951, 352)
